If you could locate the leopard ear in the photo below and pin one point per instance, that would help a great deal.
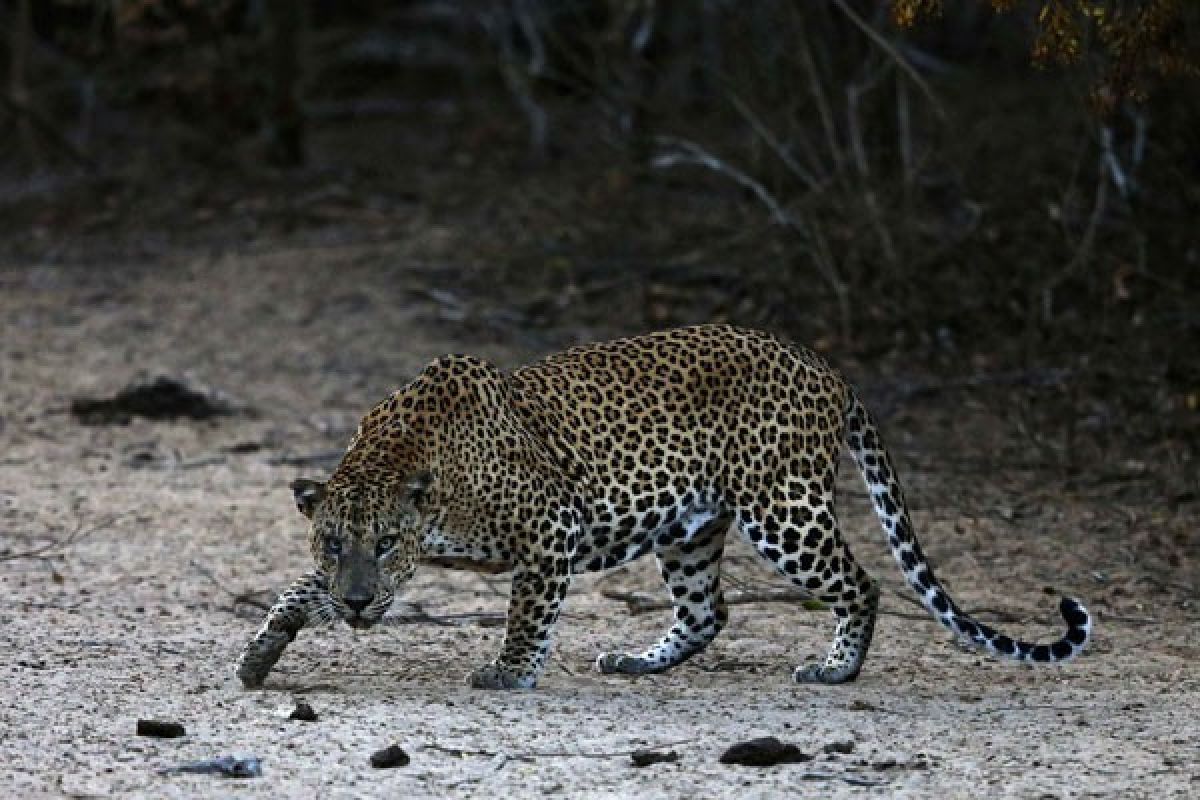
(308, 494)
(417, 484)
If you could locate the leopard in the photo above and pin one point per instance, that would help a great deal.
(600, 454)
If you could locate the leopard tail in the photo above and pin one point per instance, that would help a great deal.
(887, 497)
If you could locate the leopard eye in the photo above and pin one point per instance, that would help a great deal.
(333, 546)
(384, 545)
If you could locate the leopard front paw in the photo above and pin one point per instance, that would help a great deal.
(818, 673)
(258, 657)
(497, 676)
(625, 664)
(251, 676)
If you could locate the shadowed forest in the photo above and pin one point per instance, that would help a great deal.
(265, 214)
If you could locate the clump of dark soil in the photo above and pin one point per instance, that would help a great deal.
(644, 758)
(163, 398)
(764, 752)
(160, 729)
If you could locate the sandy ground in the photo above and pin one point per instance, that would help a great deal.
(123, 548)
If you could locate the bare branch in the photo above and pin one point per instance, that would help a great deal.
(824, 110)
(888, 48)
(640, 603)
(74, 537)
(807, 178)
(459, 752)
(691, 154)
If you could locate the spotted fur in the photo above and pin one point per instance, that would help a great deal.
(599, 455)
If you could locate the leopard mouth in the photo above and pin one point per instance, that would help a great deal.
(359, 622)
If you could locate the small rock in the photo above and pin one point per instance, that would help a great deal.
(644, 758)
(303, 712)
(160, 729)
(765, 752)
(842, 748)
(388, 757)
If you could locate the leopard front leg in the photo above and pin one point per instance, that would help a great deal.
(304, 602)
(537, 595)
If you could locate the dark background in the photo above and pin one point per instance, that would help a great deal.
(954, 206)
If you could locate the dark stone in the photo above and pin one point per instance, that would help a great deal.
(765, 752)
(388, 757)
(159, 729)
(644, 758)
(303, 712)
(839, 748)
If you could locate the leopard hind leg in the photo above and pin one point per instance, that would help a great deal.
(691, 567)
(802, 541)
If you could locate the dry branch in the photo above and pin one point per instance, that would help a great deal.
(74, 537)
(487, 619)
(888, 48)
(322, 458)
(640, 603)
(772, 141)
(688, 153)
(531, 755)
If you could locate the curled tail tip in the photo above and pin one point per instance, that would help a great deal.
(1079, 631)
(1079, 622)
(1072, 643)
(1074, 613)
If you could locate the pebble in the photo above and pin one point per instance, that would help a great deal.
(303, 712)
(388, 757)
(644, 758)
(843, 748)
(160, 729)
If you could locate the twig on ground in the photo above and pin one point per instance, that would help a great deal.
(484, 618)
(535, 754)
(1127, 620)
(74, 537)
(1033, 706)
(201, 462)
(853, 780)
(246, 598)
(562, 665)
(324, 457)
(640, 603)
(903, 614)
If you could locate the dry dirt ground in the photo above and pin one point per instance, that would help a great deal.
(131, 557)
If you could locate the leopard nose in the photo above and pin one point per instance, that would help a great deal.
(358, 600)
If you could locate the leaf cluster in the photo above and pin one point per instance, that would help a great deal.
(1138, 43)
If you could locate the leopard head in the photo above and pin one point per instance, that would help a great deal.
(366, 537)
